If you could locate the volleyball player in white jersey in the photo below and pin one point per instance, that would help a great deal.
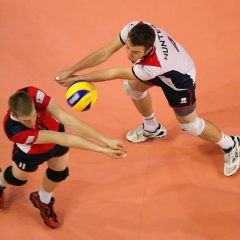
(160, 61)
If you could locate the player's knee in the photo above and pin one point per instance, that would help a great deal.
(57, 176)
(132, 93)
(10, 179)
(194, 128)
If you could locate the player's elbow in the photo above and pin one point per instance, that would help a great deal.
(104, 55)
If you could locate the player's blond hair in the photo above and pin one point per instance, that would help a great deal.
(21, 104)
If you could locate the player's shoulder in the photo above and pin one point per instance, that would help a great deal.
(28, 89)
(39, 96)
(33, 92)
(12, 127)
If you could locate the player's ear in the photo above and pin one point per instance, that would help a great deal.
(149, 50)
(13, 115)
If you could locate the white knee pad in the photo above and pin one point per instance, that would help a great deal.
(195, 127)
(132, 93)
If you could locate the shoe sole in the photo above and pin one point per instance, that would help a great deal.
(156, 137)
(232, 173)
(238, 164)
(238, 139)
(40, 212)
(160, 137)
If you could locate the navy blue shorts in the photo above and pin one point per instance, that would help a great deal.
(30, 162)
(183, 96)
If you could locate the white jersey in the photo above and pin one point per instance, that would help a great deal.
(167, 56)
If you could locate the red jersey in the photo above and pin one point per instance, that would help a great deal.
(25, 137)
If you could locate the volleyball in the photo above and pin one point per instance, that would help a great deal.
(81, 95)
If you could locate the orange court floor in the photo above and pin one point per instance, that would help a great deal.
(169, 189)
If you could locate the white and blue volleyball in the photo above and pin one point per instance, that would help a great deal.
(81, 95)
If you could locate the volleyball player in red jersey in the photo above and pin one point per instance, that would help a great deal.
(35, 123)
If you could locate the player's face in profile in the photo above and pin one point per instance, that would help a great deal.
(135, 52)
(28, 121)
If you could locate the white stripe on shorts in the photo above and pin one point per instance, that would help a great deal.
(22, 165)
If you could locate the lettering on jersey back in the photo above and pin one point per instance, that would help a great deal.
(160, 39)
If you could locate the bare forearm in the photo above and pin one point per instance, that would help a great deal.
(74, 123)
(97, 76)
(84, 129)
(68, 140)
(78, 142)
(102, 75)
(91, 60)
(99, 56)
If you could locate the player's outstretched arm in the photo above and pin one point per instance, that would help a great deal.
(81, 127)
(101, 76)
(93, 59)
(74, 141)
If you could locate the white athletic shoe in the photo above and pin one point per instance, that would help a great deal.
(232, 159)
(141, 135)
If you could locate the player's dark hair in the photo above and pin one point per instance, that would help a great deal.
(142, 35)
(21, 104)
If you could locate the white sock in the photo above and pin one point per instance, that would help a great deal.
(226, 142)
(150, 123)
(45, 197)
(2, 184)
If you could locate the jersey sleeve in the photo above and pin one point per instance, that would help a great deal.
(145, 73)
(40, 98)
(27, 137)
(124, 32)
